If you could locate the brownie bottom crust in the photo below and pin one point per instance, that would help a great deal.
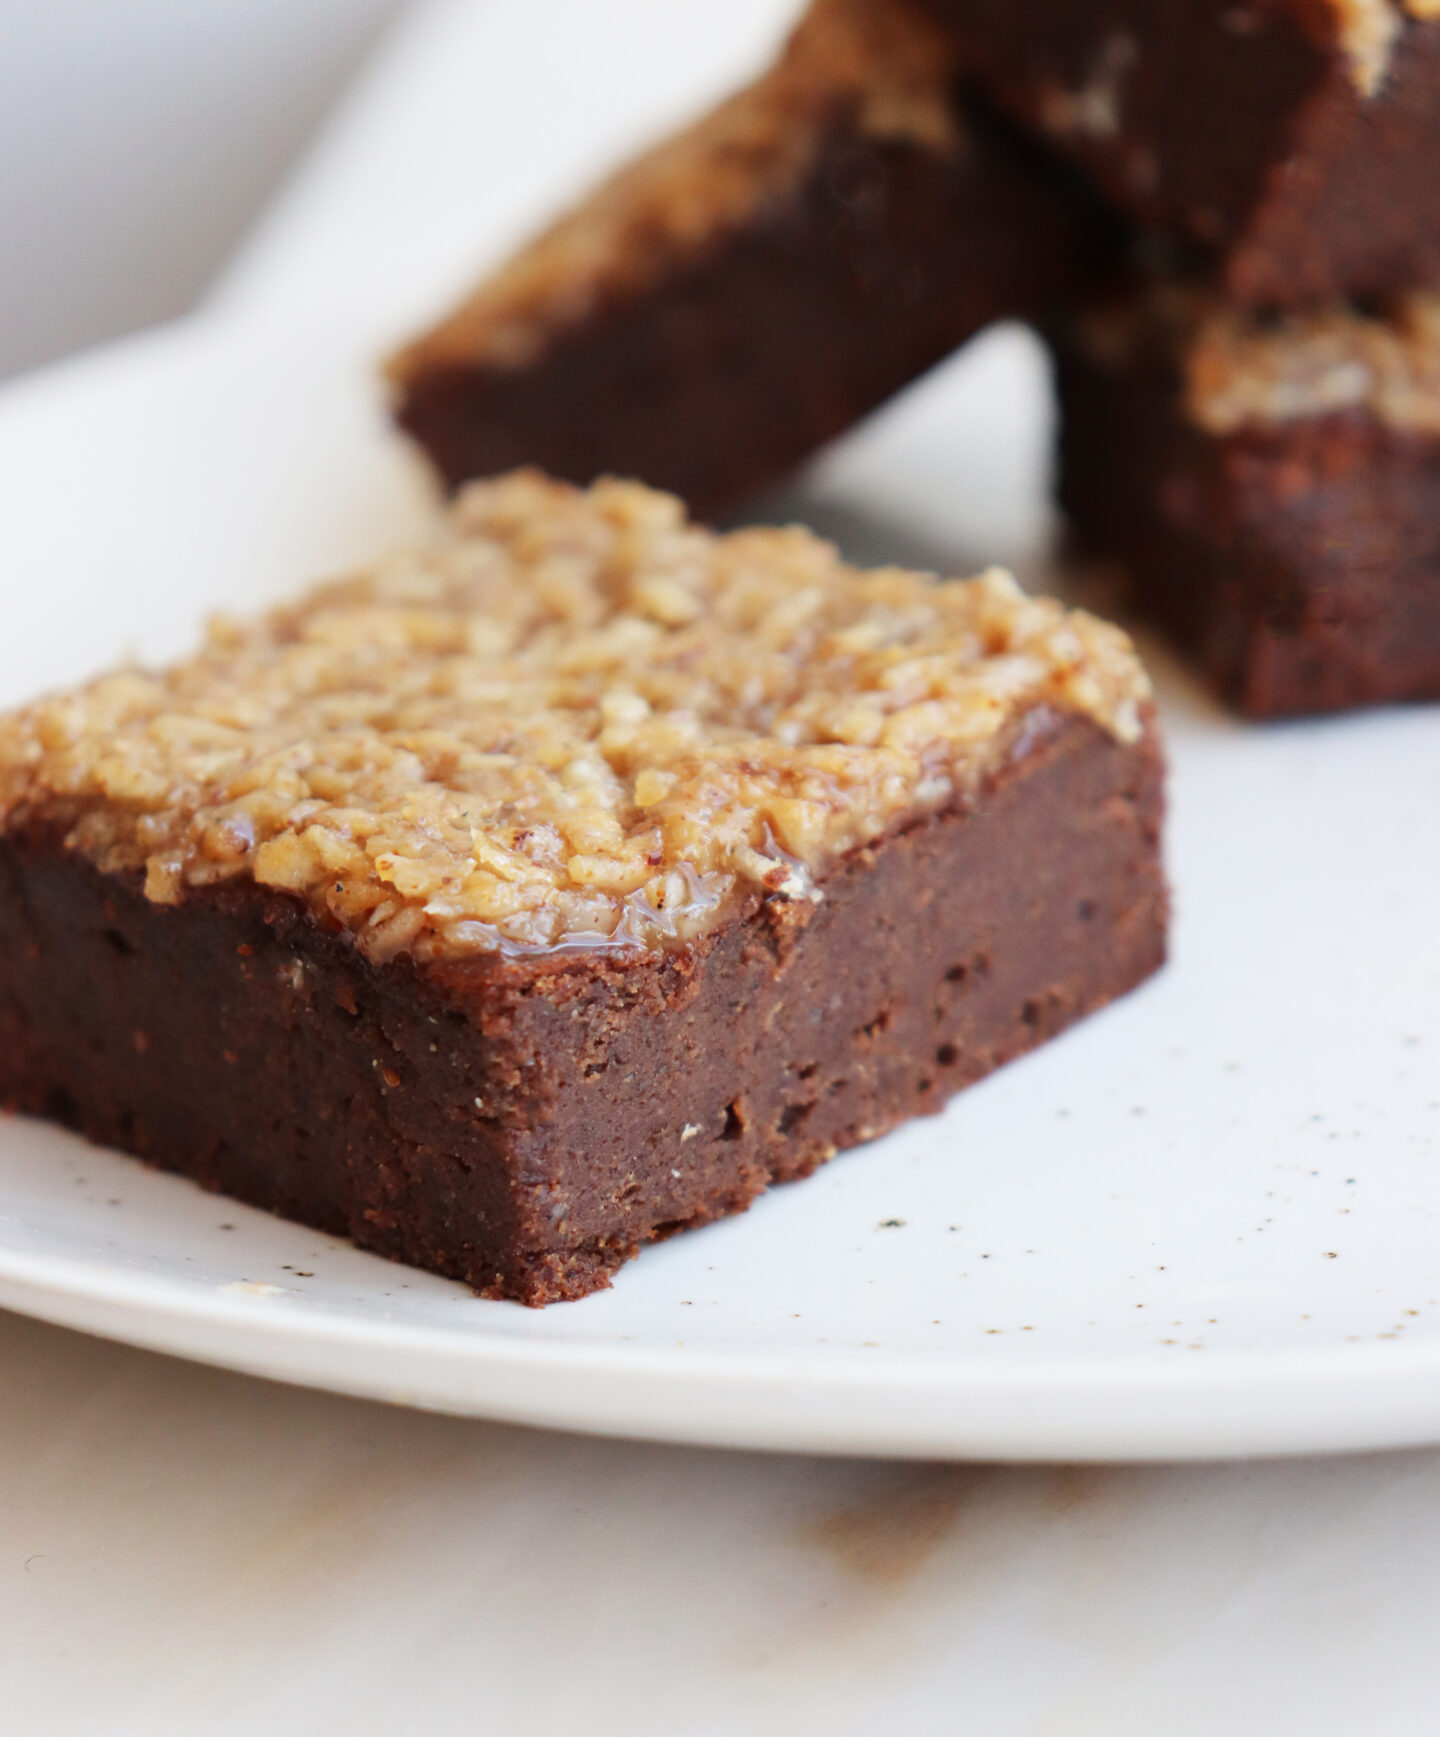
(525, 1125)
(1298, 564)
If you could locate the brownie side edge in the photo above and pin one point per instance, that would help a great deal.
(1298, 564)
(717, 379)
(526, 1127)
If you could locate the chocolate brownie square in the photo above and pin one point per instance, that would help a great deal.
(563, 884)
(752, 287)
(1297, 141)
(1271, 485)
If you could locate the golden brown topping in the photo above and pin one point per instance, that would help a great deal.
(877, 66)
(574, 719)
(1368, 30)
(1240, 369)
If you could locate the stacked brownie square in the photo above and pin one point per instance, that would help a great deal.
(1253, 426)
(1224, 214)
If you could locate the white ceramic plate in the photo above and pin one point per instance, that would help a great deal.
(1205, 1222)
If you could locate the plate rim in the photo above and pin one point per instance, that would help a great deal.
(1093, 1408)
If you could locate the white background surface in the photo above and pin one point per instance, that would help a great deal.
(186, 1551)
(136, 136)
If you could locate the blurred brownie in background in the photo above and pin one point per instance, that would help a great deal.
(751, 287)
(1270, 483)
(1296, 141)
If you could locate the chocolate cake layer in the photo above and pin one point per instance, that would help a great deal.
(756, 285)
(1273, 492)
(563, 882)
(525, 1125)
(1297, 141)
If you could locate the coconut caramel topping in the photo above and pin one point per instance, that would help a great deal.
(1240, 369)
(1368, 31)
(574, 719)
